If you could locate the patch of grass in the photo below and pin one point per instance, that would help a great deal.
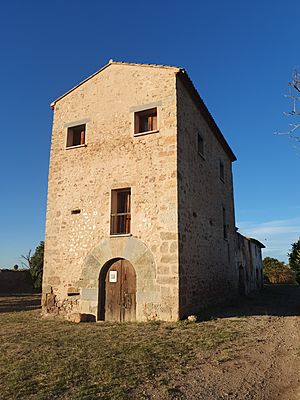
(45, 359)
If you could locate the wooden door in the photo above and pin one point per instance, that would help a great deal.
(120, 292)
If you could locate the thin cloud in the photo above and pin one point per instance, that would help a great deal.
(277, 235)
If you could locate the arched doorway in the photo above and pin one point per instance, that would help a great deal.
(117, 292)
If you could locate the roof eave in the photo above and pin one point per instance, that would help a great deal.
(176, 69)
(52, 105)
(206, 114)
(250, 239)
(258, 243)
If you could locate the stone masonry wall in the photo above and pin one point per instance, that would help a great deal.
(207, 267)
(83, 177)
(257, 277)
(249, 264)
(12, 281)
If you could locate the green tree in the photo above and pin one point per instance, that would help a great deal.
(35, 264)
(294, 259)
(276, 271)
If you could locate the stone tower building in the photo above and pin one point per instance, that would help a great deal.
(140, 215)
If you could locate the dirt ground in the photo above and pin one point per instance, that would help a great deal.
(263, 365)
(261, 362)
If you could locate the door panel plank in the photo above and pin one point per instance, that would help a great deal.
(128, 291)
(113, 294)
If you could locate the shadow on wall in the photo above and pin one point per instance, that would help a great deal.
(19, 302)
(273, 300)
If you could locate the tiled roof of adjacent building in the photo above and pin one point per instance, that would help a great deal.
(182, 74)
(258, 243)
(250, 239)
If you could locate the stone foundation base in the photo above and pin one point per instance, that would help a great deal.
(52, 305)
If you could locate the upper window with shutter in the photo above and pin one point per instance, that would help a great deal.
(145, 121)
(120, 212)
(76, 136)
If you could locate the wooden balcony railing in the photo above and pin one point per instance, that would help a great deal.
(120, 223)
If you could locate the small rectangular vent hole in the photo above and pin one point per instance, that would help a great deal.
(77, 211)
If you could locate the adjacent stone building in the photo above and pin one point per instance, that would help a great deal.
(140, 215)
(249, 264)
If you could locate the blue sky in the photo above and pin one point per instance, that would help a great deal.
(240, 56)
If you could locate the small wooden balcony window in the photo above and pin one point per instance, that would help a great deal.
(76, 136)
(145, 121)
(120, 212)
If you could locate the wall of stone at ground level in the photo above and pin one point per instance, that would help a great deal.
(12, 281)
(155, 300)
(113, 158)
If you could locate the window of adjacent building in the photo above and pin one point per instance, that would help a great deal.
(200, 145)
(120, 212)
(145, 121)
(76, 135)
(225, 233)
(222, 173)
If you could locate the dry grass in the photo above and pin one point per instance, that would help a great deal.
(47, 359)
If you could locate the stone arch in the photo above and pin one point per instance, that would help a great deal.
(109, 250)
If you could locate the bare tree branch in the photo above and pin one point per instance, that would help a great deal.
(293, 95)
(26, 260)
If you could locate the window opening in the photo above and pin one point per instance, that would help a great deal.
(120, 212)
(145, 121)
(200, 145)
(76, 136)
(225, 233)
(222, 174)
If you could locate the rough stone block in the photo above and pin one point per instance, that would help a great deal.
(89, 294)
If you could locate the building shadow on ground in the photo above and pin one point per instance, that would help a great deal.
(19, 302)
(273, 300)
